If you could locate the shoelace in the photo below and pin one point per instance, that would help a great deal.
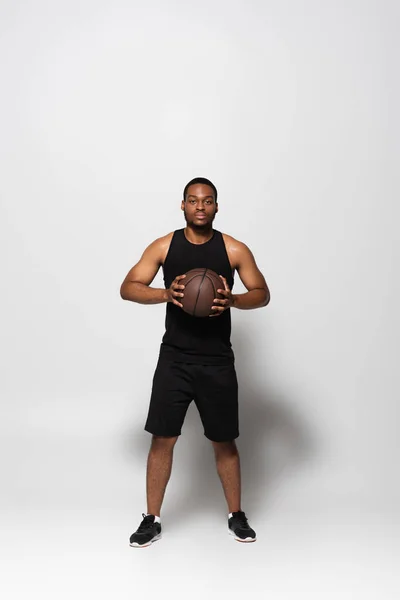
(241, 519)
(146, 523)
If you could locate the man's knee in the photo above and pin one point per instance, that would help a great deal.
(225, 448)
(159, 442)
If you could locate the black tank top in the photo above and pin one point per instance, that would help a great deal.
(194, 339)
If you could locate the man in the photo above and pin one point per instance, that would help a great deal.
(196, 359)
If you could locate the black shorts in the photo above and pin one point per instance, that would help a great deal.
(214, 388)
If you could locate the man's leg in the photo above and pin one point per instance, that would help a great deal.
(159, 466)
(228, 468)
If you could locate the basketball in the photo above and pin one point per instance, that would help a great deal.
(201, 287)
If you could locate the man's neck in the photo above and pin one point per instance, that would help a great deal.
(198, 236)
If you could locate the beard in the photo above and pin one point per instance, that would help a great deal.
(199, 225)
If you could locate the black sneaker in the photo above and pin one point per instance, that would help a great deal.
(148, 532)
(240, 529)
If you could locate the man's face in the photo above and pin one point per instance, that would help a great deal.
(200, 207)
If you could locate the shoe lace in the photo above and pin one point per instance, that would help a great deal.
(148, 521)
(241, 519)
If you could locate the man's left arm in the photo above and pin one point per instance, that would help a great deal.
(257, 294)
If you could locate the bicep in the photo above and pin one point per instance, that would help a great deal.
(147, 268)
(249, 273)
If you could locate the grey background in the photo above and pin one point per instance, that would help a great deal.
(107, 110)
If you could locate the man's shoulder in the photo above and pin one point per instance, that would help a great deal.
(232, 243)
(236, 250)
(162, 244)
(165, 239)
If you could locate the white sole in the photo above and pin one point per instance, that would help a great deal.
(134, 545)
(238, 539)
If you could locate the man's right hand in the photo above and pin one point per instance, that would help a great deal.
(176, 291)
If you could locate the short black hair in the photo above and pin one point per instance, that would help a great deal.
(202, 180)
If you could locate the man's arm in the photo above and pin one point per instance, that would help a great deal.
(136, 285)
(258, 294)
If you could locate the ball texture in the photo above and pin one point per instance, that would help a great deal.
(201, 287)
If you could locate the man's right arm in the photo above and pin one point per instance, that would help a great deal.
(136, 285)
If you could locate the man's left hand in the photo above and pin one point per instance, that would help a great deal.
(220, 305)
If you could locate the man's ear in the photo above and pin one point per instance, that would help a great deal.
(182, 205)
